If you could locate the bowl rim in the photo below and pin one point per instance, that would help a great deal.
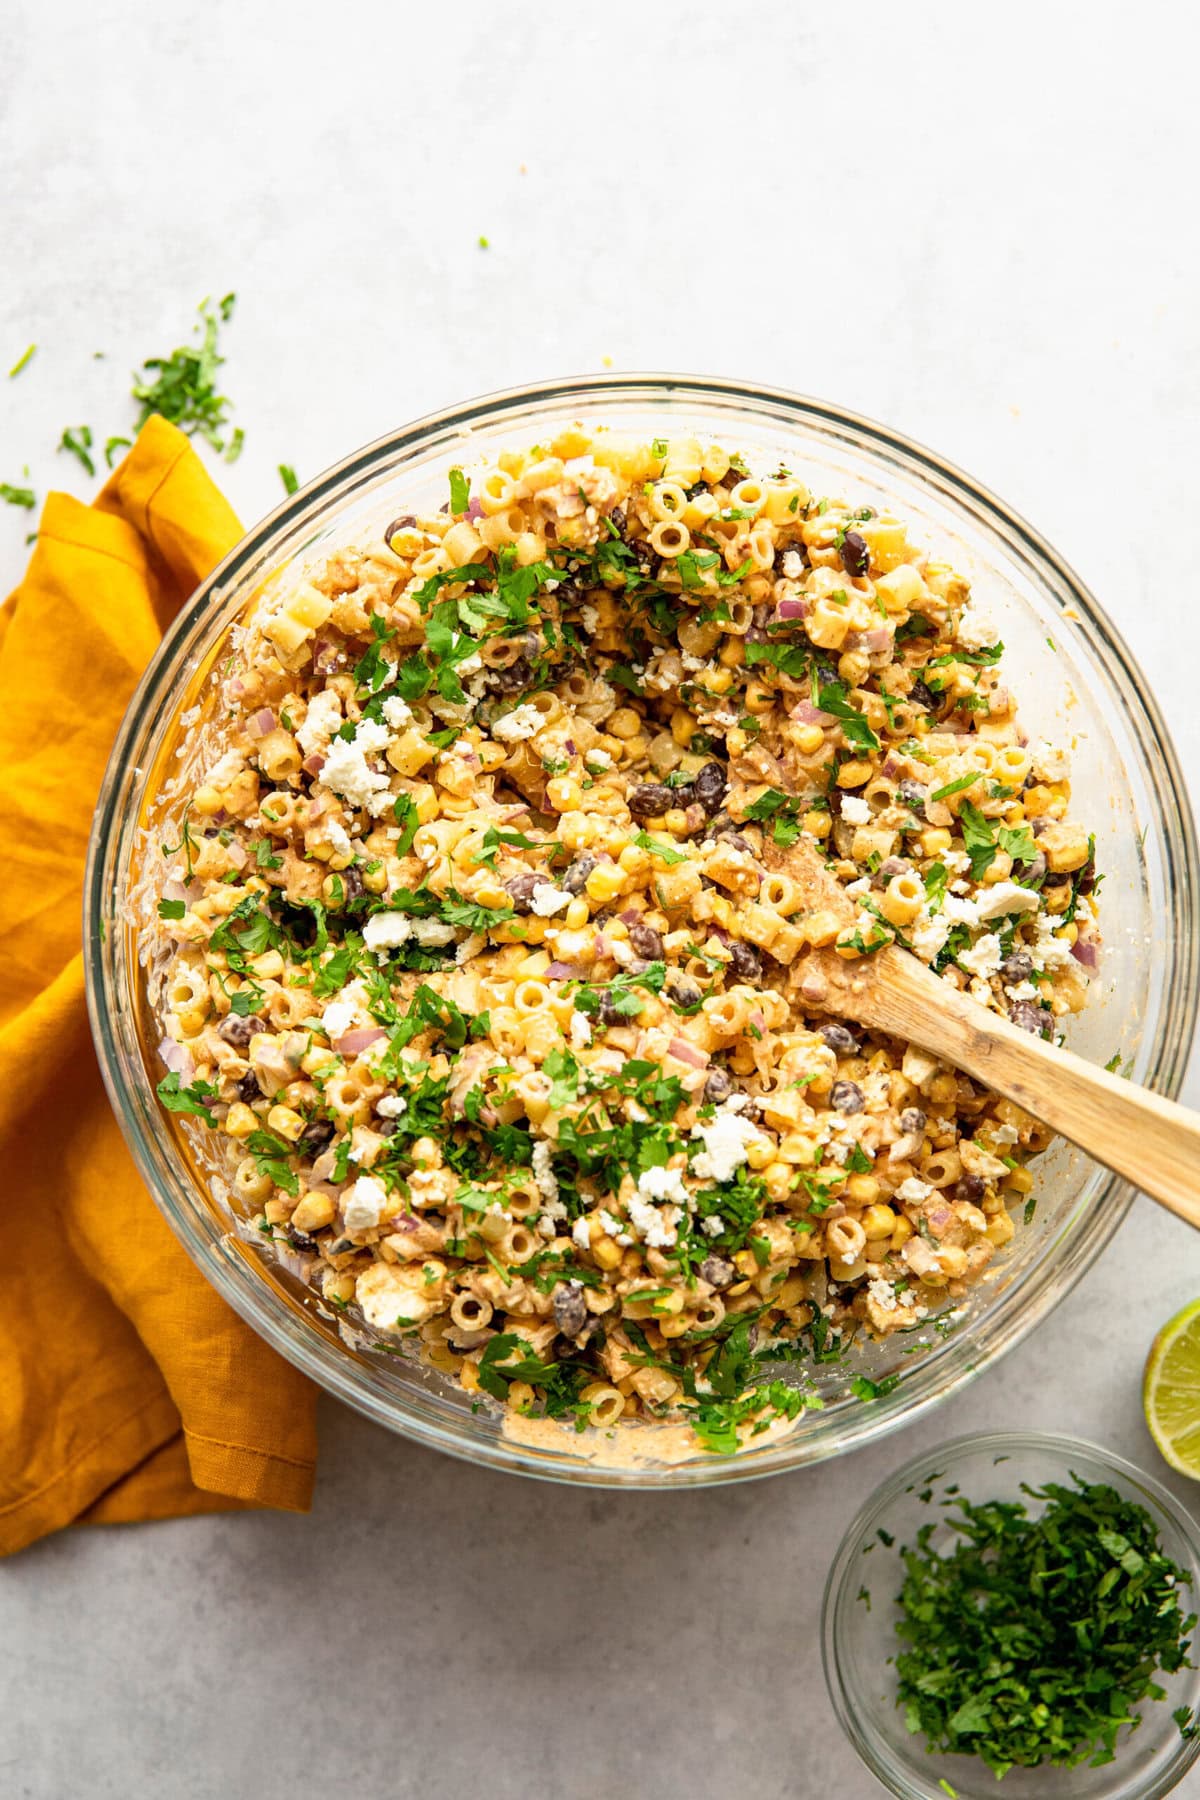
(258, 1306)
(857, 1729)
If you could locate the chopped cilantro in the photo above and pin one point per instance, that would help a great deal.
(194, 1099)
(77, 441)
(1033, 1638)
(182, 387)
(664, 852)
(460, 492)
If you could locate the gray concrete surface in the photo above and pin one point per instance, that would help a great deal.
(975, 224)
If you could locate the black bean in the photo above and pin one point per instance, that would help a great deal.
(315, 1136)
(840, 1040)
(248, 1088)
(1057, 878)
(718, 1087)
(718, 1271)
(617, 517)
(1032, 874)
(300, 1240)
(404, 523)
(520, 890)
(744, 961)
(893, 865)
(1017, 967)
(238, 1031)
(1032, 1018)
(608, 1012)
(681, 989)
(913, 795)
(710, 785)
(912, 1120)
(513, 679)
(352, 883)
(650, 800)
(922, 695)
(971, 1188)
(646, 941)
(856, 557)
(575, 879)
(570, 1308)
(846, 1097)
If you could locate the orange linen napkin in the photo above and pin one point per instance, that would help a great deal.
(128, 1389)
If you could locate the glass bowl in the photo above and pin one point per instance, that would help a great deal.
(858, 1634)
(1076, 681)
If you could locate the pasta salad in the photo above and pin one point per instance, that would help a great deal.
(479, 960)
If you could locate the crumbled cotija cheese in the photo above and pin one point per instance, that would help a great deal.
(725, 1138)
(520, 723)
(546, 900)
(365, 1203)
(384, 930)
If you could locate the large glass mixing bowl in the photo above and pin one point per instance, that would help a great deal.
(1076, 683)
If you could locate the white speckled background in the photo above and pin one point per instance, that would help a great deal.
(977, 224)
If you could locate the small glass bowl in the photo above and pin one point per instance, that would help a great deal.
(1077, 684)
(858, 1638)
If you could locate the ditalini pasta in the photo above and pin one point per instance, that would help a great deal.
(483, 960)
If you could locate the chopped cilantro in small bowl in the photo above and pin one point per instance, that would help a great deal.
(1021, 1608)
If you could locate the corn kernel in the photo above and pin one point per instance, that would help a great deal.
(285, 1123)
(313, 1212)
(240, 1121)
(564, 793)
(607, 1253)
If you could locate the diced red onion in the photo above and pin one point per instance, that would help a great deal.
(174, 890)
(793, 607)
(757, 1020)
(317, 806)
(261, 723)
(600, 946)
(236, 686)
(359, 1039)
(313, 764)
(890, 765)
(293, 1262)
(631, 916)
(569, 746)
(685, 1052)
(237, 854)
(561, 971)
(938, 1217)
(878, 638)
(178, 1059)
(1086, 953)
(475, 509)
(805, 713)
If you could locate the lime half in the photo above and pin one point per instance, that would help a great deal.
(1171, 1390)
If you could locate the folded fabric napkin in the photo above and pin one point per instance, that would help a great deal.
(128, 1389)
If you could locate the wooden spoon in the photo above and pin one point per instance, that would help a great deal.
(1150, 1141)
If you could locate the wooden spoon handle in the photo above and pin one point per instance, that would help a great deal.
(1150, 1141)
